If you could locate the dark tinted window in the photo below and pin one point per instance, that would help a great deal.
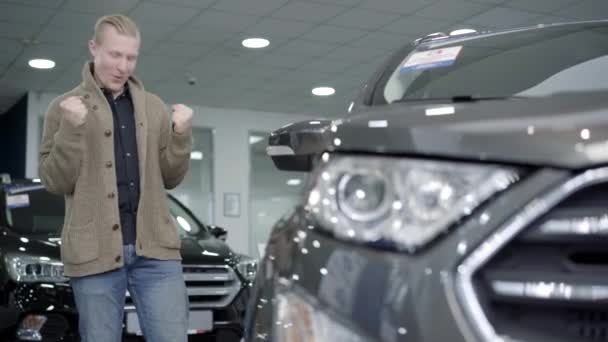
(33, 210)
(566, 58)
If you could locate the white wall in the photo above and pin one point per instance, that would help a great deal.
(230, 152)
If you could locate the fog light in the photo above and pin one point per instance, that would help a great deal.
(29, 329)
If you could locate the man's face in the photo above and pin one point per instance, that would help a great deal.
(115, 57)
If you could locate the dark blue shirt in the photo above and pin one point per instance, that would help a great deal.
(126, 161)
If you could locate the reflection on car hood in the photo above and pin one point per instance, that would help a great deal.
(36, 245)
(195, 251)
(210, 251)
(567, 130)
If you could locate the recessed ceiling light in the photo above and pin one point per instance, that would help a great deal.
(196, 155)
(255, 43)
(253, 139)
(323, 91)
(41, 63)
(294, 182)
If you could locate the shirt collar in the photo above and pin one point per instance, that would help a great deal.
(125, 92)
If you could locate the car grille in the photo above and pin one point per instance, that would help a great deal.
(207, 286)
(550, 281)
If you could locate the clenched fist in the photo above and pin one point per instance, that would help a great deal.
(74, 110)
(182, 118)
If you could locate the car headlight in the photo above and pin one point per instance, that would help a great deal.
(247, 267)
(406, 202)
(28, 269)
(299, 319)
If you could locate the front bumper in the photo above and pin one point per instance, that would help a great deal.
(53, 301)
(385, 295)
(56, 303)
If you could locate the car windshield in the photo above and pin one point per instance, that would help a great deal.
(31, 210)
(526, 63)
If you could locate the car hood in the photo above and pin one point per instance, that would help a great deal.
(34, 245)
(567, 130)
(207, 251)
(195, 250)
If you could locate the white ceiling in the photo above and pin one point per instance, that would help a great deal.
(312, 42)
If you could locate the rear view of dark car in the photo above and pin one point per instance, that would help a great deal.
(36, 301)
(462, 199)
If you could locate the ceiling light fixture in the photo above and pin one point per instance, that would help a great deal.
(294, 182)
(254, 139)
(196, 155)
(323, 91)
(41, 63)
(255, 43)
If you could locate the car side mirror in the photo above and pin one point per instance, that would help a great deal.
(219, 232)
(296, 147)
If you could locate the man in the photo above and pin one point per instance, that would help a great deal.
(111, 149)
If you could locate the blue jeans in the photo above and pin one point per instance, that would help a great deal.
(157, 288)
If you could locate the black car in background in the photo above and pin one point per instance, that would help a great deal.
(36, 301)
(463, 199)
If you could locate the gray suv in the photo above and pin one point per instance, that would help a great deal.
(463, 198)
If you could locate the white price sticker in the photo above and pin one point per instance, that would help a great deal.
(431, 59)
(17, 201)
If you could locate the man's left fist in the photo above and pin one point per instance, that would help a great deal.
(182, 118)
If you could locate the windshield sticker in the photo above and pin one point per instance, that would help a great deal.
(431, 59)
(18, 201)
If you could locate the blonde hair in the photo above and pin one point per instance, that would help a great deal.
(123, 25)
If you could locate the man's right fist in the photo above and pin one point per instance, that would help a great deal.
(74, 110)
